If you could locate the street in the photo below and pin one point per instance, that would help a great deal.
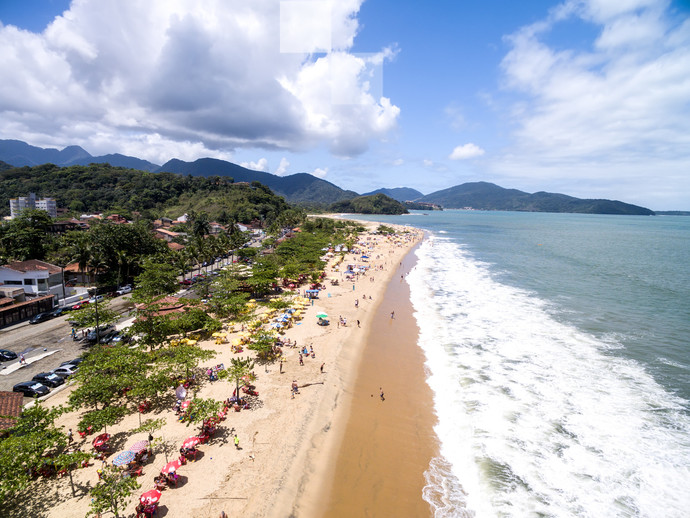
(34, 341)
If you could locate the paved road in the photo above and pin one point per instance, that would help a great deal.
(36, 340)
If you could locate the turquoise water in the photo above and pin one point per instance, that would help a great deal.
(558, 351)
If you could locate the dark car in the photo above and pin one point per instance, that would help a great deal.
(102, 331)
(41, 317)
(58, 311)
(31, 388)
(49, 379)
(6, 355)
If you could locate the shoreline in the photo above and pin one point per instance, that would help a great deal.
(388, 441)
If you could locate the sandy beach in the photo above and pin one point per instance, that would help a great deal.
(336, 449)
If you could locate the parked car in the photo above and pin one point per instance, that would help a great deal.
(120, 338)
(108, 337)
(124, 290)
(97, 298)
(65, 371)
(41, 317)
(185, 282)
(102, 332)
(59, 311)
(6, 355)
(49, 379)
(76, 362)
(31, 388)
(80, 305)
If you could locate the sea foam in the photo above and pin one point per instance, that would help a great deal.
(534, 418)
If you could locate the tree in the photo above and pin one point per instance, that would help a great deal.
(263, 343)
(23, 450)
(94, 314)
(239, 368)
(156, 279)
(180, 360)
(200, 410)
(112, 492)
(26, 237)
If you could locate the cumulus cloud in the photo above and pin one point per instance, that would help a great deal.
(320, 172)
(207, 75)
(615, 109)
(282, 167)
(259, 165)
(466, 151)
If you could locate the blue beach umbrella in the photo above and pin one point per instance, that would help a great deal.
(123, 458)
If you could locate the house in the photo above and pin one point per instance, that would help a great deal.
(116, 218)
(168, 235)
(33, 276)
(74, 274)
(175, 246)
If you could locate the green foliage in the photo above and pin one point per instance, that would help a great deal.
(384, 229)
(226, 301)
(24, 448)
(103, 188)
(86, 317)
(100, 419)
(112, 492)
(372, 204)
(201, 409)
(180, 360)
(238, 369)
(156, 279)
(26, 237)
(263, 342)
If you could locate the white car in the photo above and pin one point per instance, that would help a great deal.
(65, 371)
(124, 289)
(98, 298)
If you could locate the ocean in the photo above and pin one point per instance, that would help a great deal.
(558, 351)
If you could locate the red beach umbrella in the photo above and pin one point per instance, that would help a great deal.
(101, 439)
(185, 405)
(150, 497)
(171, 467)
(191, 442)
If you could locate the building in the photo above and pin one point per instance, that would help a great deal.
(33, 276)
(19, 205)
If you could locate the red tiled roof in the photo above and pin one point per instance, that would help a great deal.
(10, 405)
(32, 265)
(175, 246)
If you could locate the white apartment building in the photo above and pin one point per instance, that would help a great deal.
(18, 205)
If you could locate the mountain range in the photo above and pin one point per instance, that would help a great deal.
(306, 189)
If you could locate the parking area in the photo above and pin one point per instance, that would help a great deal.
(44, 346)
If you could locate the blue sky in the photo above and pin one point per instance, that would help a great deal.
(586, 97)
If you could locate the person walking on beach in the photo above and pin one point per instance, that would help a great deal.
(382, 398)
(322, 367)
(70, 438)
(392, 315)
(281, 365)
(237, 442)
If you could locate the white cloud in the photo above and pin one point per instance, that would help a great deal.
(320, 172)
(427, 162)
(282, 167)
(617, 109)
(207, 75)
(398, 161)
(466, 151)
(259, 165)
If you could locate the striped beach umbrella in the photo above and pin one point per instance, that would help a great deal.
(139, 446)
(123, 458)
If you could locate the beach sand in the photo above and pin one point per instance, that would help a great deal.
(291, 448)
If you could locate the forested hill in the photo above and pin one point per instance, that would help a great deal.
(398, 193)
(373, 204)
(103, 188)
(488, 196)
(296, 188)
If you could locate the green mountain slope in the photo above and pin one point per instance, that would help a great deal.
(296, 188)
(398, 193)
(488, 196)
(373, 204)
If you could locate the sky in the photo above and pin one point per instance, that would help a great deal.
(589, 98)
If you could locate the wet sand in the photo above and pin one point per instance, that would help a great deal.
(387, 444)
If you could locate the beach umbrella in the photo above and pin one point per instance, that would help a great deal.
(123, 458)
(101, 439)
(150, 497)
(191, 442)
(321, 315)
(139, 446)
(171, 467)
(185, 405)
